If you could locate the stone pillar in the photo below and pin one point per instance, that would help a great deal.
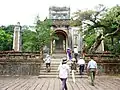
(101, 46)
(17, 38)
(69, 41)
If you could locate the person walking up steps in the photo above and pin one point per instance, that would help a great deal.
(81, 63)
(73, 68)
(47, 62)
(75, 53)
(92, 67)
(69, 54)
(63, 73)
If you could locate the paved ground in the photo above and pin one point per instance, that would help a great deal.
(35, 83)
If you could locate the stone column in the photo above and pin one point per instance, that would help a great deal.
(17, 38)
(101, 46)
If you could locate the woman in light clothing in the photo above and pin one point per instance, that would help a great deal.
(63, 73)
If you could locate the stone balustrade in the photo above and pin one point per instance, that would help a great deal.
(20, 63)
(107, 63)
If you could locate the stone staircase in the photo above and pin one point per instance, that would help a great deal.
(55, 61)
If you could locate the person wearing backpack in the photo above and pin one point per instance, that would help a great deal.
(73, 68)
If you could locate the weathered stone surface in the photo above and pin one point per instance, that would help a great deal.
(107, 63)
(20, 63)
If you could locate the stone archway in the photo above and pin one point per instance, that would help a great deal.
(60, 44)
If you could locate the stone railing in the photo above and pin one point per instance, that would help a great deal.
(107, 63)
(20, 63)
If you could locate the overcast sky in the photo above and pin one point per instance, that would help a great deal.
(25, 11)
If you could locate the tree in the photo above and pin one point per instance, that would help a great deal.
(112, 21)
(40, 37)
(44, 34)
(29, 41)
(100, 18)
(5, 41)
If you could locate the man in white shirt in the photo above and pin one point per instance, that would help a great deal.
(81, 63)
(63, 73)
(92, 67)
(75, 53)
(47, 61)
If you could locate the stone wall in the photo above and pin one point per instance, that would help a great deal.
(19, 63)
(107, 63)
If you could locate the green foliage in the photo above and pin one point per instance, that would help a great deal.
(36, 40)
(44, 34)
(101, 18)
(29, 41)
(75, 23)
(111, 20)
(8, 29)
(5, 41)
(115, 48)
(89, 39)
(84, 15)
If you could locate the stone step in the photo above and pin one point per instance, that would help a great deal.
(58, 56)
(56, 73)
(56, 76)
(52, 65)
(55, 62)
(52, 68)
(55, 70)
(44, 70)
(58, 60)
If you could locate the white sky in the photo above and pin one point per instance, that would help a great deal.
(25, 11)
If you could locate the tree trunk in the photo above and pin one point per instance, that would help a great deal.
(99, 39)
(96, 44)
(112, 40)
(41, 52)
